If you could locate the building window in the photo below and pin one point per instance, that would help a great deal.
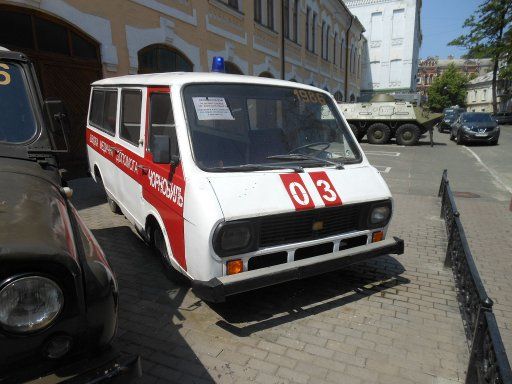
(233, 4)
(334, 47)
(474, 96)
(232, 68)
(286, 10)
(375, 72)
(270, 14)
(327, 32)
(376, 27)
(296, 21)
(395, 71)
(161, 58)
(257, 11)
(308, 14)
(342, 53)
(322, 40)
(313, 33)
(484, 95)
(398, 23)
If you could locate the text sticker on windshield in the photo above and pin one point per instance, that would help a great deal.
(212, 108)
(5, 78)
(309, 96)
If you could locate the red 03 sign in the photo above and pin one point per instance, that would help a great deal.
(301, 197)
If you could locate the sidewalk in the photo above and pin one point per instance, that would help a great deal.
(386, 321)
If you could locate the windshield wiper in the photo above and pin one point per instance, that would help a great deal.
(256, 167)
(300, 156)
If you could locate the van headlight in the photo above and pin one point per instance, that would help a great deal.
(233, 238)
(380, 214)
(29, 304)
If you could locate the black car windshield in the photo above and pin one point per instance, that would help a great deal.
(236, 125)
(17, 122)
(477, 118)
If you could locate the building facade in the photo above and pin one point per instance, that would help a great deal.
(479, 94)
(432, 67)
(393, 31)
(74, 42)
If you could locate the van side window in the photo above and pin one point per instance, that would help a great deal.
(161, 120)
(131, 102)
(103, 113)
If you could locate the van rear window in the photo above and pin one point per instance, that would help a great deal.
(103, 112)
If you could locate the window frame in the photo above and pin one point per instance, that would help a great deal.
(104, 90)
(120, 122)
(149, 96)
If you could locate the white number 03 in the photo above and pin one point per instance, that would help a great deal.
(329, 194)
(301, 196)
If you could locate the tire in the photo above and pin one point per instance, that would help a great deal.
(113, 205)
(440, 128)
(460, 141)
(452, 138)
(408, 134)
(378, 133)
(494, 142)
(158, 244)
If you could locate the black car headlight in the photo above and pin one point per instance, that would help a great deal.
(29, 304)
(233, 238)
(380, 215)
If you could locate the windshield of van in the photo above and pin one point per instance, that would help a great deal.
(243, 126)
(17, 122)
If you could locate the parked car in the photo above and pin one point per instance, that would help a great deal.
(235, 180)
(503, 118)
(449, 117)
(475, 127)
(58, 294)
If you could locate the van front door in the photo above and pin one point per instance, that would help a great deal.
(164, 186)
(130, 153)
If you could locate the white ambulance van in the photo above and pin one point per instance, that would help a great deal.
(239, 182)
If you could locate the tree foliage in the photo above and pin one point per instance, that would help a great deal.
(448, 89)
(489, 35)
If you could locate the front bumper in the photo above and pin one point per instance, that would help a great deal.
(471, 137)
(218, 288)
(110, 366)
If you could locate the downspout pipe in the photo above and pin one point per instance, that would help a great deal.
(346, 56)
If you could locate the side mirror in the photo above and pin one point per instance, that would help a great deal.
(58, 121)
(161, 149)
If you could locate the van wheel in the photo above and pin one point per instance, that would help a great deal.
(378, 133)
(158, 243)
(408, 134)
(113, 205)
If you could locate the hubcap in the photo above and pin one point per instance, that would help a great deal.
(407, 135)
(378, 134)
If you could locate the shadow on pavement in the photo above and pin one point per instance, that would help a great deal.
(274, 306)
(86, 193)
(149, 317)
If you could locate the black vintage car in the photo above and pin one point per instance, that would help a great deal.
(475, 127)
(58, 295)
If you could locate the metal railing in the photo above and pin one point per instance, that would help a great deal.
(488, 362)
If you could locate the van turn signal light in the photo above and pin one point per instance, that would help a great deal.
(234, 266)
(377, 236)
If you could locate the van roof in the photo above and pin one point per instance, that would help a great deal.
(181, 78)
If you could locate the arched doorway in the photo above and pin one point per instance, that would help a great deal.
(232, 68)
(67, 61)
(158, 58)
(266, 74)
(338, 96)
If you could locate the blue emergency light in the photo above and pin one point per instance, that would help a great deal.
(218, 64)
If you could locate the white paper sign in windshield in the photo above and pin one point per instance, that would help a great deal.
(326, 113)
(212, 108)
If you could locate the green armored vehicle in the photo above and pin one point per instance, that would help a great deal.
(383, 118)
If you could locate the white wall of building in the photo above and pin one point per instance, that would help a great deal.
(394, 37)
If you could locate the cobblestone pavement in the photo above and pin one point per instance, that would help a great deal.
(392, 320)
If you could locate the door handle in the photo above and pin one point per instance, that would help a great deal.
(143, 169)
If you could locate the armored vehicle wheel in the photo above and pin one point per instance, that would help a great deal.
(408, 134)
(378, 133)
(355, 131)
